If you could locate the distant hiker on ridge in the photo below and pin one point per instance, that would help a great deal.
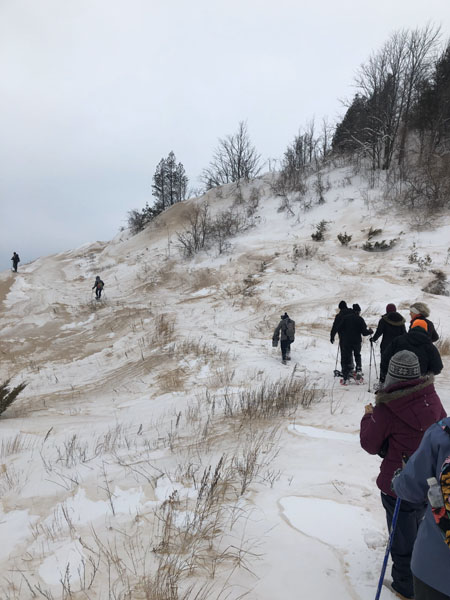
(419, 310)
(286, 327)
(98, 286)
(350, 330)
(15, 261)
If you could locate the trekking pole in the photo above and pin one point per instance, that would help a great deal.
(370, 362)
(374, 362)
(389, 545)
(335, 366)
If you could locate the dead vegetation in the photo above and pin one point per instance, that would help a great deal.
(184, 545)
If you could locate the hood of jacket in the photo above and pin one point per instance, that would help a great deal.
(410, 401)
(394, 318)
(418, 336)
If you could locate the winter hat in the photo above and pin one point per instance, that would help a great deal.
(285, 316)
(420, 308)
(342, 304)
(403, 366)
(391, 308)
(356, 308)
(420, 323)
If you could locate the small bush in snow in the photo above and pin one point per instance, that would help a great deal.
(421, 261)
(438, 285)
(253, 202)
(204, 231)
(373, 232)
(305, 252)
(320, 188)
(8, 395)
(344, 238)
(378, 246)
(318, 235)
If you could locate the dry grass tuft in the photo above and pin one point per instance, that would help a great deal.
(443, 345)
(164, 329)
(273, 399)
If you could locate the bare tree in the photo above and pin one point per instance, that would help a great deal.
(388, 83)
(419, 63)
(235, 159)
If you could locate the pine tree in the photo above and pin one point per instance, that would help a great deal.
(169, 183)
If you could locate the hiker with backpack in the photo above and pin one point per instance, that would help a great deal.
(285, 332)
(393, 429)
(430, 562)
(98, 287)
(15, 261)
(350, 329)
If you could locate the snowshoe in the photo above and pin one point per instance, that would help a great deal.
(344, 381)
(337, 373)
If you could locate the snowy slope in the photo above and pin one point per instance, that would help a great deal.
(128, 400)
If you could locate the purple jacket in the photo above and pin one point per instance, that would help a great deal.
(402, 414)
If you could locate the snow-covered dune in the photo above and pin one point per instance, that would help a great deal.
(130, 399)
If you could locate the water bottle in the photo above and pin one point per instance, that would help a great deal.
(434, 493)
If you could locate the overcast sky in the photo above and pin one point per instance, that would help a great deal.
(93, 93)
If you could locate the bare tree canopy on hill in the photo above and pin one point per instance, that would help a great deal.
(234, 159)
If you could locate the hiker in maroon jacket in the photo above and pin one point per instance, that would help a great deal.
(404, 409)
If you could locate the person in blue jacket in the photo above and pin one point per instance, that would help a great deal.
(430, 563)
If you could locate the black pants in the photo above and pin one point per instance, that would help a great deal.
(15, 267)
(422, 591)
(409, 518)
(285, 348)
(348, 350)
(98, 292)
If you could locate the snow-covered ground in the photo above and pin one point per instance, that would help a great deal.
(104, 456)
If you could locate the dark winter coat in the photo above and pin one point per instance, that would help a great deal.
(418, 341)
(402, 414)
(390, 326)
(15, 259)
(98, 284)
(351, 328)
(281, 330)
(431, 556)
(432, 333)
(337, 321)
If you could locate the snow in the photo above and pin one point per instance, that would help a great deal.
(125, 406)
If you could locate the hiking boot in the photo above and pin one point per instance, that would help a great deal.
(284, 361)
(390, 586)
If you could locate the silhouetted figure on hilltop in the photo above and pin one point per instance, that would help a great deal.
(15, 261)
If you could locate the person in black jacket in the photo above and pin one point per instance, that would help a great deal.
(390, 326)
(418, 341)
(15, 261)
(419, 310)
(350, 330)
(285, 332)
(98, 287)
(343, 310)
